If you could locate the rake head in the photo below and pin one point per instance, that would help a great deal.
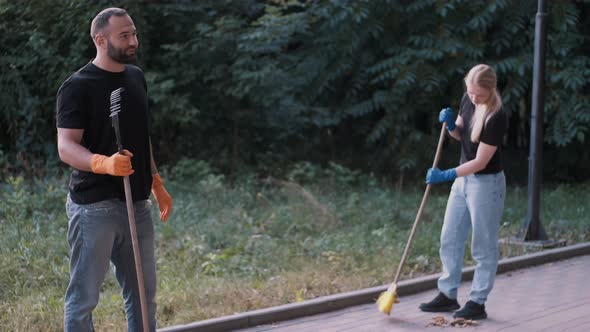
(115, 109)
(116, 101)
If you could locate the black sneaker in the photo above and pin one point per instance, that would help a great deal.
(441, 303)
(472, 310)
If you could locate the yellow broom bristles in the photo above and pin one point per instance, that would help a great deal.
(386, 300)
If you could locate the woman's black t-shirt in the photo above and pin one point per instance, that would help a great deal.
(492, 134)
(83, 102)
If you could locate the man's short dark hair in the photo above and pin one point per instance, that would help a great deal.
(101, 20)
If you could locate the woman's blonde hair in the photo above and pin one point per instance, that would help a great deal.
(483, 76)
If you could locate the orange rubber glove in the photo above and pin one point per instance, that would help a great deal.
(162, 197)
(117, 164)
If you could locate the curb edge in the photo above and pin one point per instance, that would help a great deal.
(343, 300)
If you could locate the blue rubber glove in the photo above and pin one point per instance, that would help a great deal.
(447, 115)
(435, 175)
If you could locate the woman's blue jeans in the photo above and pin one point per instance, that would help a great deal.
(476, 202)
(98, 233)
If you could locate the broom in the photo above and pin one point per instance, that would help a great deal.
(389, 297)
(115, 109)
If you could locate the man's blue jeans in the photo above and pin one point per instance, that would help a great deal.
(476, 202)
(99, 233)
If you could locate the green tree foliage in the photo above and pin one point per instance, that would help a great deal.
(252, 82)
(33, 55)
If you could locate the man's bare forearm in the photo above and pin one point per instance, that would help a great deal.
(71, 151)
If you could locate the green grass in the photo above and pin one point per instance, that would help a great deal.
(252, 244)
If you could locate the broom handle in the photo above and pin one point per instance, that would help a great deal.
(422, 204)
(136, 254)
(133, 231)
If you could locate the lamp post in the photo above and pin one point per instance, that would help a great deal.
(532, 230)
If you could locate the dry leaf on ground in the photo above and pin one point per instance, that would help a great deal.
(438, 321)
(462, 322)
(459, 322)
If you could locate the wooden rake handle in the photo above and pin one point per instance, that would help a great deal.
(134, 239)
(136, 254)
(115, 108)
(422, 204)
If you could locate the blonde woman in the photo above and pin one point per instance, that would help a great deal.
(476, 200)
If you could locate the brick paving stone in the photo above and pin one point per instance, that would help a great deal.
(549, 297)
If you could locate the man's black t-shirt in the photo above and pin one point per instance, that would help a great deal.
(492, 134)
(83, 102)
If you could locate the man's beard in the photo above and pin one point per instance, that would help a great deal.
(118, 54)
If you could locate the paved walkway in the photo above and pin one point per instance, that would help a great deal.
(550, 297)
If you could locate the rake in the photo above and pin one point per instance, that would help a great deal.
(115, 109)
